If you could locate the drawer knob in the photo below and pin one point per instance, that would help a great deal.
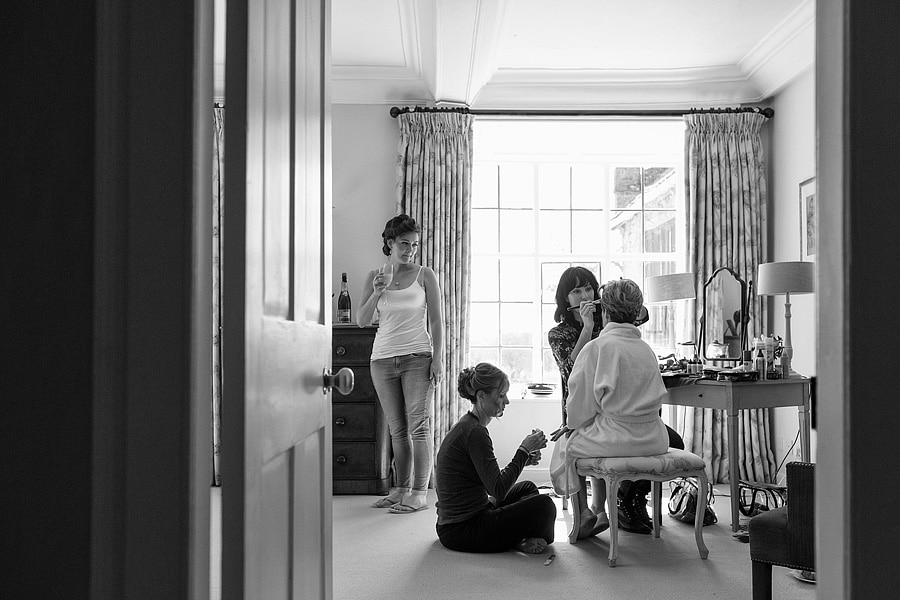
(342, 380)
(341, 459)
(340, 351)
(340, 422)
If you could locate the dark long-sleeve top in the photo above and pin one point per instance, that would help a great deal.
(466, 472)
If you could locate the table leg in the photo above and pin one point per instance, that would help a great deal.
(805, 432)
(733, 470)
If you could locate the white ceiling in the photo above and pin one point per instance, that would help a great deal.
(564, 54)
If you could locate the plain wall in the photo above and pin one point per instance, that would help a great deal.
(792, 160)
(364, 166)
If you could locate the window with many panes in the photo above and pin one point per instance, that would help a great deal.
(547, 195)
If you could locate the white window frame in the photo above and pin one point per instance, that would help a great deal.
(557, 152)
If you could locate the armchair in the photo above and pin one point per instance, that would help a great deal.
(785, 536)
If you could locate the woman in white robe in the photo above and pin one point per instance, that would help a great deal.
(615, 395)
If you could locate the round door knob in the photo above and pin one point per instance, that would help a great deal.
(341, 459)
(342, 380)
(340, 422)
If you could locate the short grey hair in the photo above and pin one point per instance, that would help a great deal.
(622, 299)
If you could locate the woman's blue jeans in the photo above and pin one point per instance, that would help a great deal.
(406, 394)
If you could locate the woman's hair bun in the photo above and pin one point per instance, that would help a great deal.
(464, 384)
(482, 377)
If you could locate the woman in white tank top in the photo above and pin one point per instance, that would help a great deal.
(407, 358)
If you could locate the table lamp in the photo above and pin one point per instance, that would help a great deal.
(666, 288)
(791, 277)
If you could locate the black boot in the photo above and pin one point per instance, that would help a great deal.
(628, 518)
(640, 490)
(640, 511)
(625, 492)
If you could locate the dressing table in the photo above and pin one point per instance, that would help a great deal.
(727, 305)
(733, 396)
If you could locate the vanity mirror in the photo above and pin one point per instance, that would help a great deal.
(723, 323)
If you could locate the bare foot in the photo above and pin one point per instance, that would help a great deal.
(532, 545)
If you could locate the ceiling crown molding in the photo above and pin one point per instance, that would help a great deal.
(404, 76)
(608, 88)
(447, 50)
(788, 51)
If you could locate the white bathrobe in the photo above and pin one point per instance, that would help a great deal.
(615, 393)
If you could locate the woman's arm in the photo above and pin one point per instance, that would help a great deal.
(583, 338)
(495, 481)
(366, 313)
(433, 304)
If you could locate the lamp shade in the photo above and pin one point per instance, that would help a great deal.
(792, 277)
(675, 286)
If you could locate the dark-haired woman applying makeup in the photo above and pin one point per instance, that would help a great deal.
(480, 507)
(579, 321)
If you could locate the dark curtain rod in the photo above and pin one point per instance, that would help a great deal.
(766, 112)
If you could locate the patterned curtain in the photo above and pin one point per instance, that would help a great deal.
(218, 188)
(434, 183)
(726, 180)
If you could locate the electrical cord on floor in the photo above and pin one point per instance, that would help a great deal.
(788, 453)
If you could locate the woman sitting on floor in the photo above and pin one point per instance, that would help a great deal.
(480, 507)
(615, 395)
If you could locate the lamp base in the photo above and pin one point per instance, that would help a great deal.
(786, 371)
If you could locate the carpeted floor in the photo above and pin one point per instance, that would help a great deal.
(378, 555)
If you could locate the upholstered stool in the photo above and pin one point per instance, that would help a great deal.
(656, 468)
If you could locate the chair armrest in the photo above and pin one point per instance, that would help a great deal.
(801, 508)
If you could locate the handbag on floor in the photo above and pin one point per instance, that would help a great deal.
(756, 497)
(683, 501)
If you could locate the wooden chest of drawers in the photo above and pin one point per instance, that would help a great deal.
(361, 441)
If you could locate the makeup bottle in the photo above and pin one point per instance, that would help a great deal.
(759, 364)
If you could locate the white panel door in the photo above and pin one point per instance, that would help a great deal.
(276, 436)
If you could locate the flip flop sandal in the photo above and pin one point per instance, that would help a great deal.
(404, 509)
(384, 503)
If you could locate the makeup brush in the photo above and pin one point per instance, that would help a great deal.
(571, 308)
(643, 316)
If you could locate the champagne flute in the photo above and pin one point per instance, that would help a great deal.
(387, 273)
(387, 276)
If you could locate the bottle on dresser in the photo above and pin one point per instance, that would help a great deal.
(343, 302)
(759, 363)
(770, 356)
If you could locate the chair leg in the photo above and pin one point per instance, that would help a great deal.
(656, 517)
(612, 493)
(762, 581)
(703, 485)
(576, 518)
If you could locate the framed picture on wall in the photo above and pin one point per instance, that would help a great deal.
(808, 233)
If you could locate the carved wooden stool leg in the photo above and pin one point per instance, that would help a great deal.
(612, 494)
(703, 484)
